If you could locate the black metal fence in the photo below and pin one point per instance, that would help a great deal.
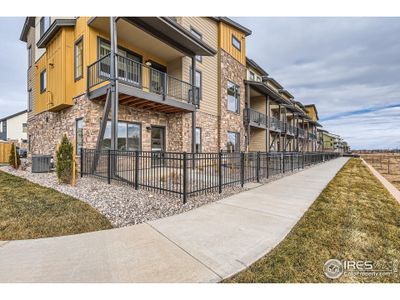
(191, 174)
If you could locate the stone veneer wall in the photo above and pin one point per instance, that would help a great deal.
(48, 128)
(235, 72)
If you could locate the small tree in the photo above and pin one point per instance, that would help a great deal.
(64, 161)
(14, 158)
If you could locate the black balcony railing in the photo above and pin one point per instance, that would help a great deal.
(290, 129)
(300, 132)
(312, 136)
(253, 116)
(276, 124)
(141, 76)
(190, 174)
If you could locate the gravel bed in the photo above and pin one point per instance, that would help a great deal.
(122, 204)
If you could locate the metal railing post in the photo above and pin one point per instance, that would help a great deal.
(184, 177)
(268, 165)
(258, 166)
(283, 161)
(292, 158)
(220, 171)
(137, 169)
(241, 169)
(108, 166)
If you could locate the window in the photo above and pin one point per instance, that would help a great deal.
(1, 126)
(78, 59)
(29, 56)
(233, 97)
(24, 127)
(128, 69)
(198, 139)
(198, 82)
(233, 143)
(79, 135)
(30, 104)
(43, 81)
(236, 43)
(200, 37)
(129, 137)
(251, 75)
(44, 25)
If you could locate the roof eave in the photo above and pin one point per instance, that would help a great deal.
(53, 29)
(29, 22)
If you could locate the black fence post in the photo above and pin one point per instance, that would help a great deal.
(136, 169)
(108, 166)
(258, 166)
(184, 177)
(291, 160)
(220, 171)
(241, 169)
(268, 165)
(81, 158)
(302, 160)
(283, 162)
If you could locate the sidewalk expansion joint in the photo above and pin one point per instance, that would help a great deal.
(184, 250)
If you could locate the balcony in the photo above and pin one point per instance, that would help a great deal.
(255, 118)
(141, 86)
(291, 130)
(312, 136)
(276, 125)
(260, 120)
(300, 133)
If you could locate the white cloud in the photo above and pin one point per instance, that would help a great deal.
(341, 65)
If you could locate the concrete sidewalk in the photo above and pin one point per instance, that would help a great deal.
(203, 245)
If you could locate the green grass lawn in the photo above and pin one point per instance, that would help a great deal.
(29, 211)
(354, 218)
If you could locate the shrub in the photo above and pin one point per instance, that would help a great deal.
(64, 161)
(14, 158)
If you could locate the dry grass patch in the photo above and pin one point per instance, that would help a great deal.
(29, 211)
(354, 218)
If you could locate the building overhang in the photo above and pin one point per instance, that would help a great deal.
(232, 23)
(169, 32)
(29, 22)
(256, 67)
(267, 91)
(53, 29)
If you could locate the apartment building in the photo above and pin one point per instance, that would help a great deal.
(13, 128)
(183, 84)
(161, 61)
(329, 142)
(274, 120)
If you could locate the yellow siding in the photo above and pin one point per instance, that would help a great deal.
(225, 42)
(312, 113)
(58, 62)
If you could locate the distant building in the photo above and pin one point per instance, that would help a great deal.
(13, 128)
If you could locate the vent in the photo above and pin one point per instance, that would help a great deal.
(41, 163)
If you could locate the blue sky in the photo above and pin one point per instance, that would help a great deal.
(348, 67)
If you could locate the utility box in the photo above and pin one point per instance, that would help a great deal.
(41, 163)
